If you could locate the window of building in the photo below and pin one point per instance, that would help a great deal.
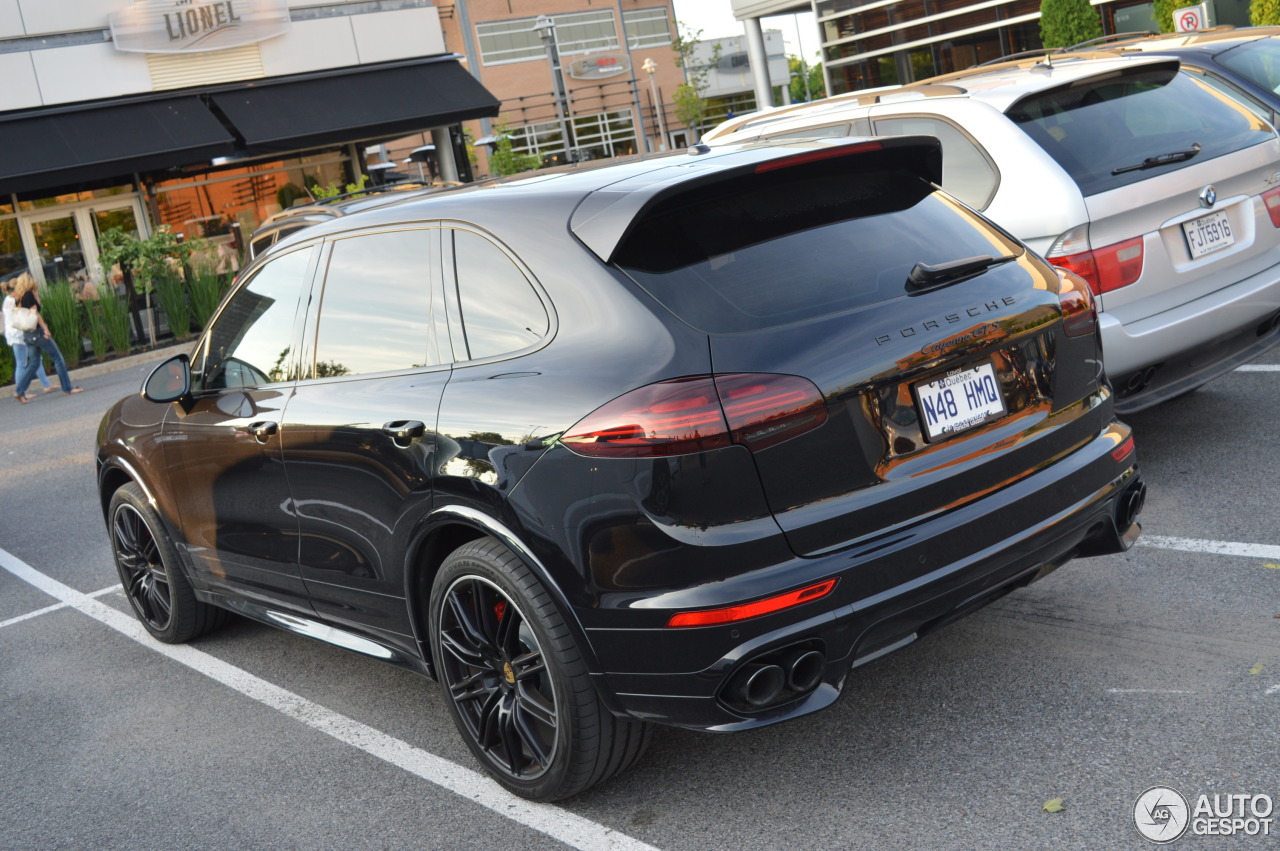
(599, 136)
(376, 312)
(208, 205)
(646, 28)
(501, 312)
(13, 258)
(251, 341)
(576, 32)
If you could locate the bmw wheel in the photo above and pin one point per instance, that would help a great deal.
(153, 581)
(517, 686)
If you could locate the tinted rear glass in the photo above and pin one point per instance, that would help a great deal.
(797, 243)
(1258, 61)
(1096, 128)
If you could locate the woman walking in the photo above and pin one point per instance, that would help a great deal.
(13, 336)
(39, 340)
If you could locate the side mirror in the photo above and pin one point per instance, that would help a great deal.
(170, 381)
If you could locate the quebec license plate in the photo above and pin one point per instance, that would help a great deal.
(1208, 233)
(959, 400)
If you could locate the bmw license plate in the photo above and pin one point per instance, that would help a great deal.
(959, 400)
(1208, 233)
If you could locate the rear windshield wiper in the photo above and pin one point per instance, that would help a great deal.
(924, 277)
(1162, 159)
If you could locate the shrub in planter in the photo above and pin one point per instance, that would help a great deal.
(61, 310)
(171, 292)
(114, 310)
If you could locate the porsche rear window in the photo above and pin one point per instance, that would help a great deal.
(1120, 129)
(797, 243)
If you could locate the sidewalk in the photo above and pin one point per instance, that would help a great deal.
(152, 356)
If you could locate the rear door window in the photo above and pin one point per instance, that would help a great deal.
(967, 172)
(1120, 129)
(376, 313)
(799, 242)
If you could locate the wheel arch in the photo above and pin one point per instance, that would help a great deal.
(450, 527)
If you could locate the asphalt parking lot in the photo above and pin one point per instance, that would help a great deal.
(1158, 667)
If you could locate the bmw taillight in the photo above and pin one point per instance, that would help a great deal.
(1079, 312)
(1272, 199)
(1108, 268)
(699, 414)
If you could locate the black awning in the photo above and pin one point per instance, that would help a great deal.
(357, 105)
(63, 148)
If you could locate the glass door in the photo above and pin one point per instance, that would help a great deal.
(64, 241)
(60, 250)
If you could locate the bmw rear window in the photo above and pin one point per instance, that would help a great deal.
(798, 243)
(1121, 128)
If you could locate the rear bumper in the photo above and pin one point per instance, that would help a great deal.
(1157, 358)
(902, 586)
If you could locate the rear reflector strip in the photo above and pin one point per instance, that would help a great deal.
(1124, 450)
(730, 614)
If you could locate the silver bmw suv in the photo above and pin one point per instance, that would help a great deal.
(1162, 192)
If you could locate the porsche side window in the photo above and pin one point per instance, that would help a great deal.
(251, 343)
(375, 315)
(501, 312)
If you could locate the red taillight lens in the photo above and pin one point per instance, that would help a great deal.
(686, 415)
(1272, 199)
(1105, 269)
(729, 614)
(671, 418)
(1079, 313)
(1124, 450)
(764, 410)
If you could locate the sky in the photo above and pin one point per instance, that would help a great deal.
(715, 19)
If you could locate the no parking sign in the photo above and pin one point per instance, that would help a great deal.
(1191, 18)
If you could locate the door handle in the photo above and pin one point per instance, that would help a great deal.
(402, 431)
(263, 429)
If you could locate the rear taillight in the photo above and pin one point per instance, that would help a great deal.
(1272, 199)
(699, 414)
(1079, 313)
(1106, 269)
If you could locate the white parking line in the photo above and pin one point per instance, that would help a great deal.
(1198, 545)
(47, 609)
(553, 821)
(1259, 367)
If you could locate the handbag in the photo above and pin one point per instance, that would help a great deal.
(25, 318)
(32, 337)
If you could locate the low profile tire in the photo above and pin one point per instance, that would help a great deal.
(515, 681)
(153, 580)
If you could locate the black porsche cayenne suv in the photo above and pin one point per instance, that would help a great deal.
(677, 441)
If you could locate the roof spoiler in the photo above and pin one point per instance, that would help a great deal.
(606, 216)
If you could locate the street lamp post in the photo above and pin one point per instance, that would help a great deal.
(545, 28)
(651, 66)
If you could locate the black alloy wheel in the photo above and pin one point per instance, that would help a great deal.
(153, 582)
(498, 678)
(517, 686)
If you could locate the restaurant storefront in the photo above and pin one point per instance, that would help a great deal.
(207, 117)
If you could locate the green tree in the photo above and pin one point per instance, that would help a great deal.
(1264, 13)
(504, 160)
(1067, 22)
(688, 98)
(1163, 11)
(816, 85)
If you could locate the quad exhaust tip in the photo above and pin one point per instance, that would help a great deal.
(777, 677)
